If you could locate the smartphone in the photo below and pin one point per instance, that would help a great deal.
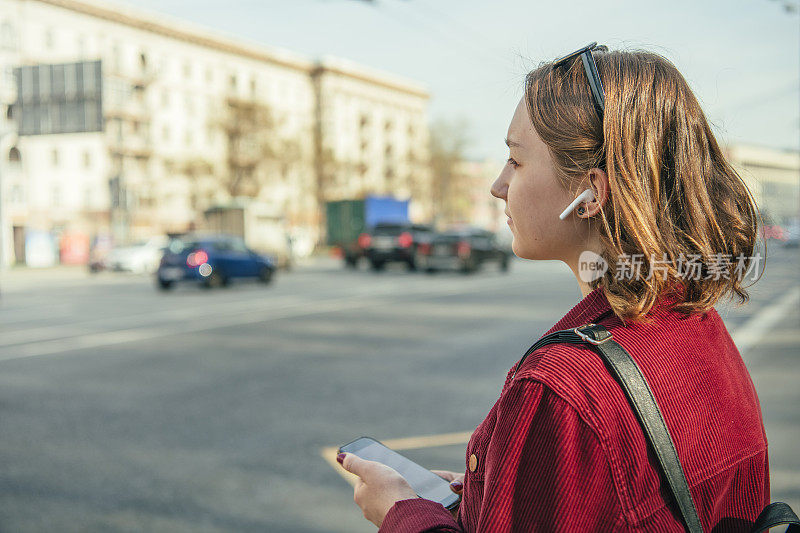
(424, 482)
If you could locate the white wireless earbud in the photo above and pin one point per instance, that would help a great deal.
(585, 196)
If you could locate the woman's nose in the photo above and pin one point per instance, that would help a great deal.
(500, 188)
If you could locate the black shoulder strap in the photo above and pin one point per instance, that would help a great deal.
(633, 384)
(777, 514)
(630, 378)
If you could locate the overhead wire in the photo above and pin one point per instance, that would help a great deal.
(434, 30)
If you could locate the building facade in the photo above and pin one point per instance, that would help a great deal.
(773, 177)
(174, 101)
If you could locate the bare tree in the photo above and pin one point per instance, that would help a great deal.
(256, 148)
(450, 192)
(201, 175)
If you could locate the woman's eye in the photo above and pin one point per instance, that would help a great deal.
(512, 162)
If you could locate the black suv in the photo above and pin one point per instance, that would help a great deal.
(398, 243)
(465, 249)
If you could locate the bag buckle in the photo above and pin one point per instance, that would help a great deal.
(587, 338)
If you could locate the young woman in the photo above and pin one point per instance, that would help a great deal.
(561, 450)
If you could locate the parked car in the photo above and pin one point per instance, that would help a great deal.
(394, 243)
(212, 261)
(464, 249)
(140, 258)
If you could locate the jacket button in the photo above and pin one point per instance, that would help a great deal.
(473, 462)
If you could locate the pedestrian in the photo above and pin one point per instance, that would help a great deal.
(612, 166)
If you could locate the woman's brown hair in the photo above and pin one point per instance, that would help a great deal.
(675, 202)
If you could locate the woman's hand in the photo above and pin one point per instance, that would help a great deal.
(456, 485)
(456, 480)
(378, 488)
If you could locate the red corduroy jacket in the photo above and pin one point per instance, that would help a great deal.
(561, 450)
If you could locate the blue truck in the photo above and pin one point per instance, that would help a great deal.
(348, 222)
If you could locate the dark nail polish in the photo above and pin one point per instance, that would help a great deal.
(340, 458)
(457, 486)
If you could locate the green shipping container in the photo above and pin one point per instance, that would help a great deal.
(346, 220)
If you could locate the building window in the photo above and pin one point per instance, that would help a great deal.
(165, 133)
(54, 157)
(8, 80)
(253, 87)
(49, 39)
(82, 46)
(17, 196)
(209, 75)
(187, 69)
(232, 82)
(87, 159)
(189, 104)
(165, 98)
(189, 138)
(8, 38)
(116, 57)
(56, 196)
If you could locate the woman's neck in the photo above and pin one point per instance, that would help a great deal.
(587, 265)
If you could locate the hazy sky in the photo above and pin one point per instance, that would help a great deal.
(740, 56)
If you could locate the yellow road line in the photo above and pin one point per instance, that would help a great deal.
(428, 441)
(329, 453)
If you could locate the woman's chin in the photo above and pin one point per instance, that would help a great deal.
(524, 252)
(520, 251)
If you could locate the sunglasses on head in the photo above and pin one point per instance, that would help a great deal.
(591, 72)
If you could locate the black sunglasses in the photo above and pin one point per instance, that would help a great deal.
(591, 72)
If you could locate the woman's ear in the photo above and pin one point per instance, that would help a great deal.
(598, 181)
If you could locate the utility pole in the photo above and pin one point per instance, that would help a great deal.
(3, 162)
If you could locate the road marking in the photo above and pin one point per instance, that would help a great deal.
(364, 297)
(428, 441)
(183, 313)
(329, 453)
(748, 334)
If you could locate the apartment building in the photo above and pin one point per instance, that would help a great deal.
(163, 154)
(773, 177)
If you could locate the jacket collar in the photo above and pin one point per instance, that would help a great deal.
(588, 310)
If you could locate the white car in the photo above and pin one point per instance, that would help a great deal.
(140, 258)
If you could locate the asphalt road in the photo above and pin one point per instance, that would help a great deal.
(126, 409)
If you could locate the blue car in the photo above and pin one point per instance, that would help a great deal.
(211, 261)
